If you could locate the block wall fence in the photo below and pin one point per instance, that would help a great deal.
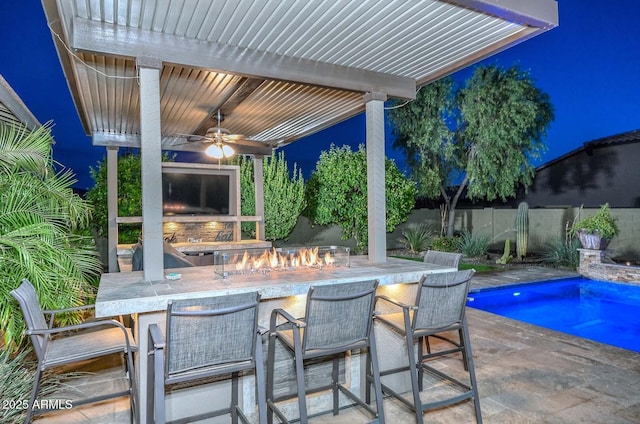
(545, 224)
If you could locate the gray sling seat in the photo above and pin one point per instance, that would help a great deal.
(448, 259)
(206, 337)
(439, 308)
(58, 346)
(338, 319)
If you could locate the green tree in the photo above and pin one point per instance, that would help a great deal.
(482, 138)
(283, 196)
(337, 193)
(41, 220)
(129, 195)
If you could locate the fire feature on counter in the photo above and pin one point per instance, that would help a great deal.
(250, 261)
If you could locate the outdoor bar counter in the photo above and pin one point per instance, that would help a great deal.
(125, 293)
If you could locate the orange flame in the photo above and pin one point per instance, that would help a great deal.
(328, 259)
(242, 264)
(275, 260)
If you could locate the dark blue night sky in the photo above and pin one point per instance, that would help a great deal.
(589, 65)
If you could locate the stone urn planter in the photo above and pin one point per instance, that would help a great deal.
(596, 231)
(593, 240)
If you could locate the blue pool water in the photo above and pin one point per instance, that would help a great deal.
(597, 310)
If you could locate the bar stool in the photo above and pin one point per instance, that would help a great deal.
(439, 309)
(73, 344)
(338, 319)
(206, 337)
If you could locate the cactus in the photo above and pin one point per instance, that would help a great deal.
(506, 257)
(522, 230)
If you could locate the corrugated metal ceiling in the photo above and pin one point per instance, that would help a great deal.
(278, 70)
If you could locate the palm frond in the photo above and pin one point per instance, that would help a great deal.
(39, 214)
(21, 148)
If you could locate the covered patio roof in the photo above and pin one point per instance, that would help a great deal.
(276, 70)
(150, 73)
(13, 111)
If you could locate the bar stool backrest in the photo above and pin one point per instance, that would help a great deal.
(441, 299)
(339, 315)
(210, 331)
(33, 316)
(443, 258)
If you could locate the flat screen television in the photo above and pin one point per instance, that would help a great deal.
(185, 193)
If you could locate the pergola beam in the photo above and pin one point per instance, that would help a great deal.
(178, 144)
(540, 13)
(110, 39)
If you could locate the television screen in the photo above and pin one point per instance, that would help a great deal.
(195, 194)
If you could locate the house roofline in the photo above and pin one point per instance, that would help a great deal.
(621, 138)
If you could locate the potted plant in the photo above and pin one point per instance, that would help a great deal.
(596, 231)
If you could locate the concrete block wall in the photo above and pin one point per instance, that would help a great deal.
(545, 225)
(627, 244)
(307, 234)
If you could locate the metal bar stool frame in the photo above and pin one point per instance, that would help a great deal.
(162, 372)
(301, 336)
(431, 317)
(65, 345)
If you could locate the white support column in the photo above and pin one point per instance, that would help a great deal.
(376, 196)
(112, 207)
(258, 182)
(151, 157)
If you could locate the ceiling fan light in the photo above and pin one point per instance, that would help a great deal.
(228, 151)
(214, 151)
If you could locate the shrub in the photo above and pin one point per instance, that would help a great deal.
(129, 195)
(283, 196)
(473, 246)
(445, 244)
(562, 253)
(337, 193)
(416, 237)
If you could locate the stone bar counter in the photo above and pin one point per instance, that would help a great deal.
(125, 293)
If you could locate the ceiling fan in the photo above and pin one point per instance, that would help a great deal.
(220, 143)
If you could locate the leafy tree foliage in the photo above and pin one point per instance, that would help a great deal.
(283, 196)
(422, 132)
(337, 193)
(483, 137)
(129, 195)
(41, 219)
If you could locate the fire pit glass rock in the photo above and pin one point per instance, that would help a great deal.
(281, 259)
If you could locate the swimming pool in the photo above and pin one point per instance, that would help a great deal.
(597, 310)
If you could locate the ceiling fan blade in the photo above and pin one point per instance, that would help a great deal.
(257, 149)
(233, 137)
(240, 140)
(176, 139)
(190, 138)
